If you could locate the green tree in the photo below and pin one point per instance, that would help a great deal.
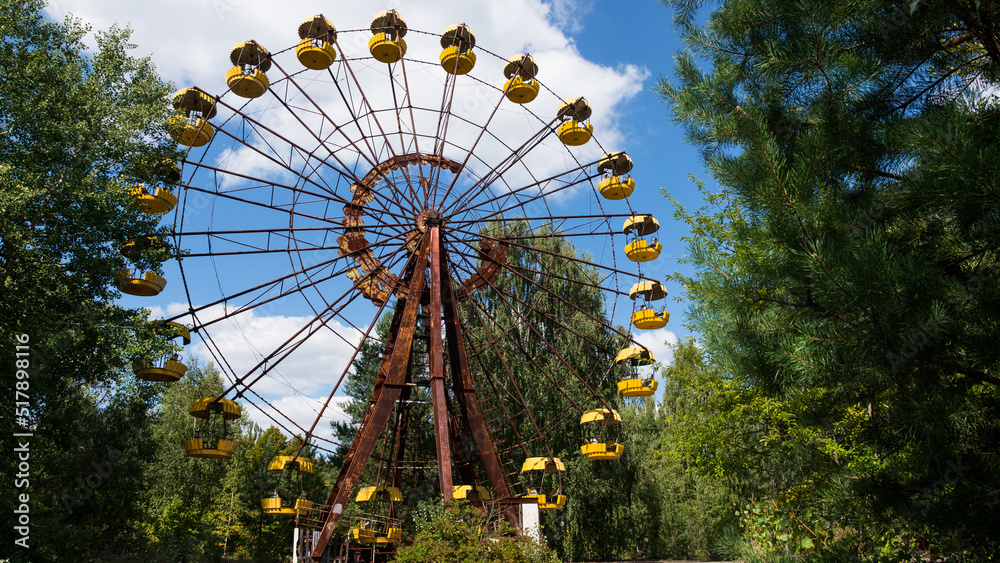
(539, 332)
(184, 493)
(461, 533)
(208, 509)
(77, 130)
(846, 281)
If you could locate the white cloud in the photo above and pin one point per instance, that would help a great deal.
(293, 390)
(303, 412)
(658, 342)
(245, 339)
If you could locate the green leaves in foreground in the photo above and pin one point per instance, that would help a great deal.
(846, 286)
(462, 533)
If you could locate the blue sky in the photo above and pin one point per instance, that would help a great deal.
(613, 53)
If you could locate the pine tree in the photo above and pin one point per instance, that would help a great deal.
(848, 267)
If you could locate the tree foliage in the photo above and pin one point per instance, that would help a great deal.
(77, 130)
(846, 283)
(464, 534)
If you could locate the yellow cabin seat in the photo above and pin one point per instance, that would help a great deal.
(224, 449)
(304, 505)
(274, 507)
(573, 133)
(451, 57)
(637, 387)
(641, 251)
(315, 54)
(551, 501)
(519, 91)
(614, 187)
(190, 131)
(168, 371)
(386, 49)
(250, 84)
(363, 535)
(148, 285)
(156, 203)
(650, 319)
(393, 535)
(603, 450)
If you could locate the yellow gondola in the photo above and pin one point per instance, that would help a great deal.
(640, 249)
(212, 439)
(157, 202)
(168, 368)
(457, 56)
(552, 497)
(192, 128)
(315, 50)
(136, 246)
(140, 284)
(368, 494)
(644, 315)
(387, 44)
(250, 61)
(521, 86)
(377, 529)
(599, 446)
(470, 492)
(635, 386)
(616, 183)
(574, 131)
(275, 504)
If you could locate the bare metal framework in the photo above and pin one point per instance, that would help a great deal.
(369, 188)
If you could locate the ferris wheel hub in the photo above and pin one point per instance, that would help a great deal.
(429, 218)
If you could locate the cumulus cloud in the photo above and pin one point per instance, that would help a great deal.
(302, 411)
(658, 342)
(290, 393)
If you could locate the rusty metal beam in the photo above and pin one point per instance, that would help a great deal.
(388, 384)
(465, 393)
(442, 440)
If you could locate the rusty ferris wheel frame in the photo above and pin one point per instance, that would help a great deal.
(402, 197)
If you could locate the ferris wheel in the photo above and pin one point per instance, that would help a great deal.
(388, 171)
